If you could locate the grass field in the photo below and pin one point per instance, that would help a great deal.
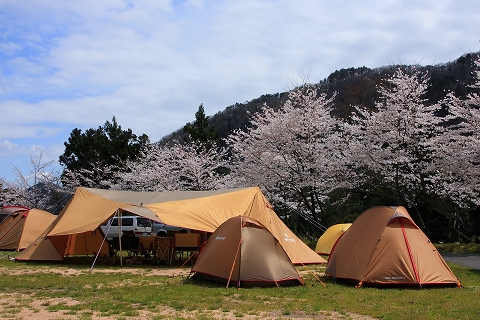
(68, 290)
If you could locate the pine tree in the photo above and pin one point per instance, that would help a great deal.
(93, 157)
(201, 132)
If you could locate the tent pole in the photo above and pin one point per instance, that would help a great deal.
(233, 265)
(191, 255)
(101, 246)
(412, 260)
(119, 220)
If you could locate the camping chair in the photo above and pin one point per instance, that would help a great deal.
(147, 245)
(163, 249)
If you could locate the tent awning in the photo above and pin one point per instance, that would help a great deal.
(198, 210)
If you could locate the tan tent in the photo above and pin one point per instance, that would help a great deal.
(242, 252)
(385, 246)
(56, 247)
(22, 227)
(329, 237)
(198, 210)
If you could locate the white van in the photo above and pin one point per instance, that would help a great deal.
(161, 229)
(139, 226)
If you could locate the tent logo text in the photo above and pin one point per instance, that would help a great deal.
(287, 238)
(394, 278)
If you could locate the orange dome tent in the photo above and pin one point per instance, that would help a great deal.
(243, 252)
(384, 246)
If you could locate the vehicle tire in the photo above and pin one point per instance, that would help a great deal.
(161, 233)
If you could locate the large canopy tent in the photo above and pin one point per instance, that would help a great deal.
(198, 210)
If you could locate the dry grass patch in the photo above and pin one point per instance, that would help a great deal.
(22, 306)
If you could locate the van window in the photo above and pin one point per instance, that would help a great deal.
(126, 222)
(114, 222)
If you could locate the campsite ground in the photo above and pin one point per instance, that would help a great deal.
(13, 306)
(68, 290)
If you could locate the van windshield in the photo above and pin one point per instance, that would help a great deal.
(144, 222)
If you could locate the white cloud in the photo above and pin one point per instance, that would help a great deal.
(7, 146)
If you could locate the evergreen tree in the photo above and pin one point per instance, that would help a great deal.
(92, 158)
(201, 132)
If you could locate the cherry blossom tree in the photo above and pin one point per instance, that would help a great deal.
(39, 188)
(176, 167)
(396, 145)
(295, 154)
(98, 174)
(462, 167)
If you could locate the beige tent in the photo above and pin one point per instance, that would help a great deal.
(242, 252)
(329, 237)
(384, 246)
(55, 248)
(198, 210)
(22, 227)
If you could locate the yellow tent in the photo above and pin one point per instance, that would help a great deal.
(329, 237)
(22, 227)
(198, 210)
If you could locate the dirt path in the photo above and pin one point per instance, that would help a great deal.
(468, 260)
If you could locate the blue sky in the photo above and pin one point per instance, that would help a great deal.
(76, 64)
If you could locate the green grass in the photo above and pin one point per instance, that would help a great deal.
(73, 290)
(458, 248)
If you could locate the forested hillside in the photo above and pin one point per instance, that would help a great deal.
(355, 86)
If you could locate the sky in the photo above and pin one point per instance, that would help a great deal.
(76, 64)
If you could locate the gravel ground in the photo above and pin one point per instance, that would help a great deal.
(468, 260)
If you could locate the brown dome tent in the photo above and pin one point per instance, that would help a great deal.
(5, 211)
(22, 227)
(241, 251)
(384, 246)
